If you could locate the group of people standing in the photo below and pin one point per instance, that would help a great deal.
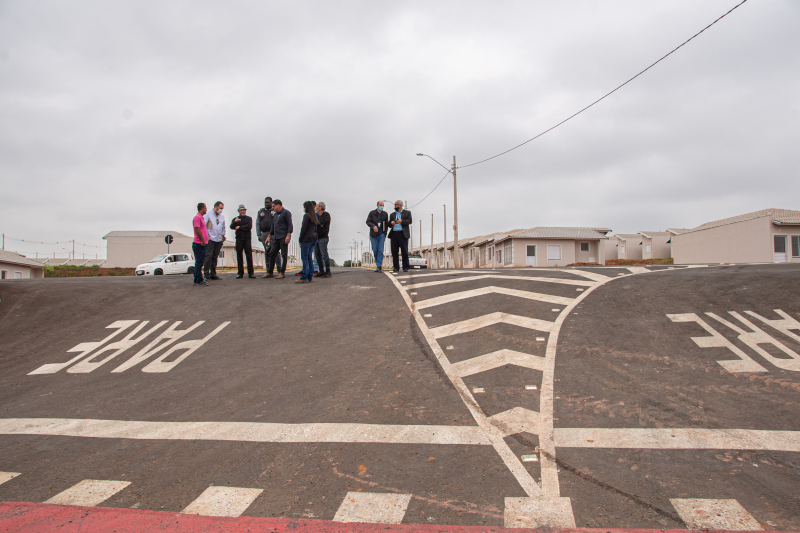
(274, 229)
(396, 227)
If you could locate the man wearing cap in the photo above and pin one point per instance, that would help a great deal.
(243, 225)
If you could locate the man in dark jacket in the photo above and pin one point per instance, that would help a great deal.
(263, 225)
(243, 226)
(279, 238)
(399, 235)
(321, 249)
(378, 222)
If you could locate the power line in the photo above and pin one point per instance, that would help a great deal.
(55, 242)
(437, 186)
(607, 94)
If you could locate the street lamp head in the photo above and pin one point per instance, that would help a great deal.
(420, 154)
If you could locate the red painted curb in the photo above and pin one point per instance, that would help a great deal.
(44, 518)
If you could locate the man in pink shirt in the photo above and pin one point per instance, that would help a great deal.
(199, 243)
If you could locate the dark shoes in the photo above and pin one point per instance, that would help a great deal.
(213, 277)
(405, 270)
(239, 276)
(203, 283)
(268, 276)
(252, 276)
(377, 270)
(326, 275)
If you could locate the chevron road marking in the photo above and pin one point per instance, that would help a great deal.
(89, 492)
(497, 359)
(727, 515)
(454, 297)
(487, 320)
(516, 420)
(499, 276)
(223, 501)
(373, 507)
(678, 439)
(245, 431)
(7, 476)
(539, 513)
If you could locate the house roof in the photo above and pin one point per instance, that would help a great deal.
(159, 234)
(17, 259)
(779, 216)
(651, 234)
(559, 233)
(627, 235)
(677, 231)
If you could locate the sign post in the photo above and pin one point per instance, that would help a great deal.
(168, 239)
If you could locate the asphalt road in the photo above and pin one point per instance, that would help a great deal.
(429, 385)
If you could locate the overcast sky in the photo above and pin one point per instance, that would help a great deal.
(123, 115)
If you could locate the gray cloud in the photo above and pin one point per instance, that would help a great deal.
(123, 115)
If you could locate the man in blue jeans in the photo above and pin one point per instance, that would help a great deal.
(199, 243)
(378, 222)
(321, 249)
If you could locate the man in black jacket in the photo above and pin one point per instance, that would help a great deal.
(399, 235)
(378, 222)
(263, 226)
(321, 249)
(279, 238)
(243, 225)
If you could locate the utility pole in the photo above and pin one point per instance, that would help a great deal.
(444, 255)
(73, 248)
(456, 254)
(431, 265)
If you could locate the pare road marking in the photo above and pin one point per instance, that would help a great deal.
(88, 358)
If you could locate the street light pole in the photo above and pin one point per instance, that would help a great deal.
(431, 240)
(457, 256)
(444, 252)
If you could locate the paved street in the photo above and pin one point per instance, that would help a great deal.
(641, 397)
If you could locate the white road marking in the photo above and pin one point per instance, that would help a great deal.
(158, 365)
(245, 431)
(497, 359)
(447, 298)
(714, 514)
(90, 363)
(530, 458)
(756, 336)
(538, 512)
(678, 439)
(639, 270)
(89, 492)
(372, 507)
(223, 501)
(784, 325)
(516, 420)
(744, 364)
(508, 457)
(498, 276)
(472, 324)
(7, 476)
(84, 348)
(594, 276)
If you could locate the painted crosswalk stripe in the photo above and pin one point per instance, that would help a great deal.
(539, 512)
(714, 514)
(497, 359)
(245, 431)
(223, 501)
(561, 281)
(7, 476)
(373, 507)
(456, 296)
(89, 492)
(678, 439)
(516, 420)
(472, 324)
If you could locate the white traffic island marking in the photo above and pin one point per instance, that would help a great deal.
(538, 512)
(714, 514)
(516, 420)
(465, 326)
(373, 507)
(89, 492)
(456, 296)
(7, 476)
(245, 431)
(223, 501)
(497, 359)
(498, 276)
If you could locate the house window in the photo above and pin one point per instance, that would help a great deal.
(647, 248)
(795, 246)
(622, 249)
(17, 275)
(507, 254)
(554, 252)
(584, 247)
(780, 244)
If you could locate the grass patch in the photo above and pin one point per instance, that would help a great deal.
(86, 271)
(665, 261)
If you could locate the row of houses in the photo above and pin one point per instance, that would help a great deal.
(766, 236)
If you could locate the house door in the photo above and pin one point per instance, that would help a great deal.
(531, 255)
(622, 252)
(780, 248)
(499, 257)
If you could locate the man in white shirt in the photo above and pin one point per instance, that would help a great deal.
(215, 223)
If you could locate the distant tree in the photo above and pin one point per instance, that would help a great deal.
(333, 262)
(346, 263)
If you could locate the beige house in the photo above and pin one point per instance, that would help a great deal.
(132, 248)
(17, 266)
(672, 232)
(629, 246)
(551, 247)
(766, 236)
(656, 244)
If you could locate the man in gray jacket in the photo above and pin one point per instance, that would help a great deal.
(280, 235)
(263, 226)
